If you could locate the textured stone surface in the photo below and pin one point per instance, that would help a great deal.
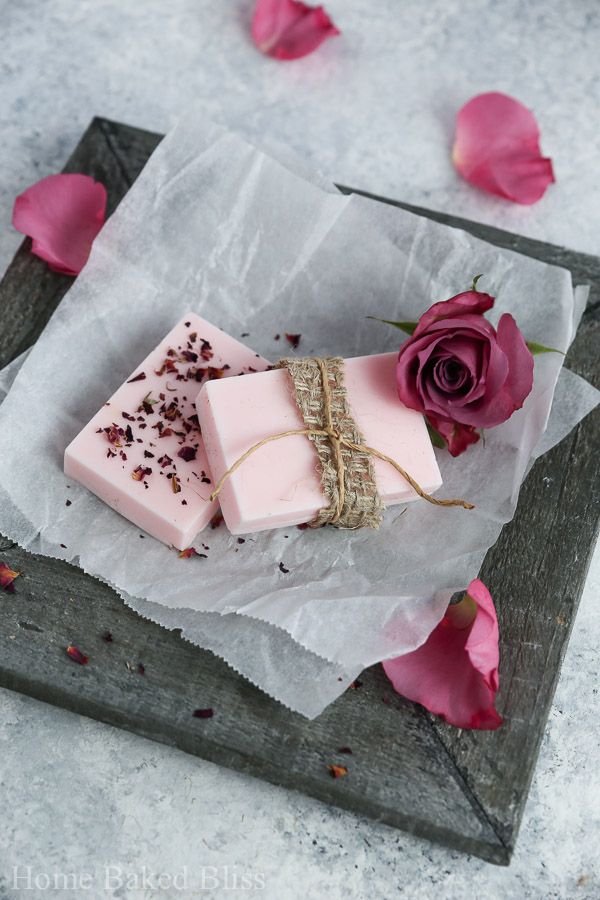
(76, 795)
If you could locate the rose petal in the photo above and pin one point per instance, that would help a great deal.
(62, 214)
(497, 148)
(457, 436)
(289, 29)
(468, 303)
(509, 379)
(7, 576)
(77, 656)
(520, 360)
(454, 674)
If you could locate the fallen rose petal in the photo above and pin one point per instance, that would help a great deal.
(207, 713)
(454, 674)
(77, 656)
(7, 576)
(289, 29)
(338, 771)
(62, 214)
(497, 148)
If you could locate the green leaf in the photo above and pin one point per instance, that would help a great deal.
(408, 327)
(539, 348)
(436, 439)
(475, 280)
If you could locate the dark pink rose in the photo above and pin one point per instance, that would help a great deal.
(462, 373)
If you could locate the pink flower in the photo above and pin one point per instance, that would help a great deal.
(454, 674)
(460, 372)
(289, 29)
(62, 214)
(497, 148)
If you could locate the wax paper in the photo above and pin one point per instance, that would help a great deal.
(253, 244)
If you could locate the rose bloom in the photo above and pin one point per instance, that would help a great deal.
(462, 373)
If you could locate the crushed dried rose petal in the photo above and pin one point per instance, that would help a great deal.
(206, 351)
(140, 377)
(207, 713)
(77, 656)
(345, 750)
(189, 552)
(7, 577)
(187, 453)
(140, 472)
(147, 404)
(114, 434)
(338, 771)
(293, 339)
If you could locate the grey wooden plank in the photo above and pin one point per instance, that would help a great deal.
(57, 604)
(464, 789)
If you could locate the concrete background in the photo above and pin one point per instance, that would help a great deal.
(373, 109)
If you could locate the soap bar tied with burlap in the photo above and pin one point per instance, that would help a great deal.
(276, 458)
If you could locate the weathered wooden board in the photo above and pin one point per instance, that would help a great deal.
(464, 789)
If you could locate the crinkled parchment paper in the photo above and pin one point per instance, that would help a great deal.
(215, 225)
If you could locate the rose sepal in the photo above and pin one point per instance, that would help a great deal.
(407, 327)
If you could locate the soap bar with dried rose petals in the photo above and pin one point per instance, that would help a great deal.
(279, 484)
(143, 453)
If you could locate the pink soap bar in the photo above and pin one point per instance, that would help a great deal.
(279, 484)
(142, 453)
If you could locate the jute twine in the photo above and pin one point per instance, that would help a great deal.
(345, 461)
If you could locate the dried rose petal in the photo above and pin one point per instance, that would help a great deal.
(140, 377)
(217, 520)
(213, 372)
(206, 351)
(7, 576)
(293, 339)
(140, 472)
(207, 713)
(77, 656)
(175, 486)
(62, 214)
(114, 434)
(338, 771)
(497, 148)
(188, 553)
(289, 29)
(187, 453)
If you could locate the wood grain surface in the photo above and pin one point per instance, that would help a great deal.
(464, 789)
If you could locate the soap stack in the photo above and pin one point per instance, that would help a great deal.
(164, 439)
